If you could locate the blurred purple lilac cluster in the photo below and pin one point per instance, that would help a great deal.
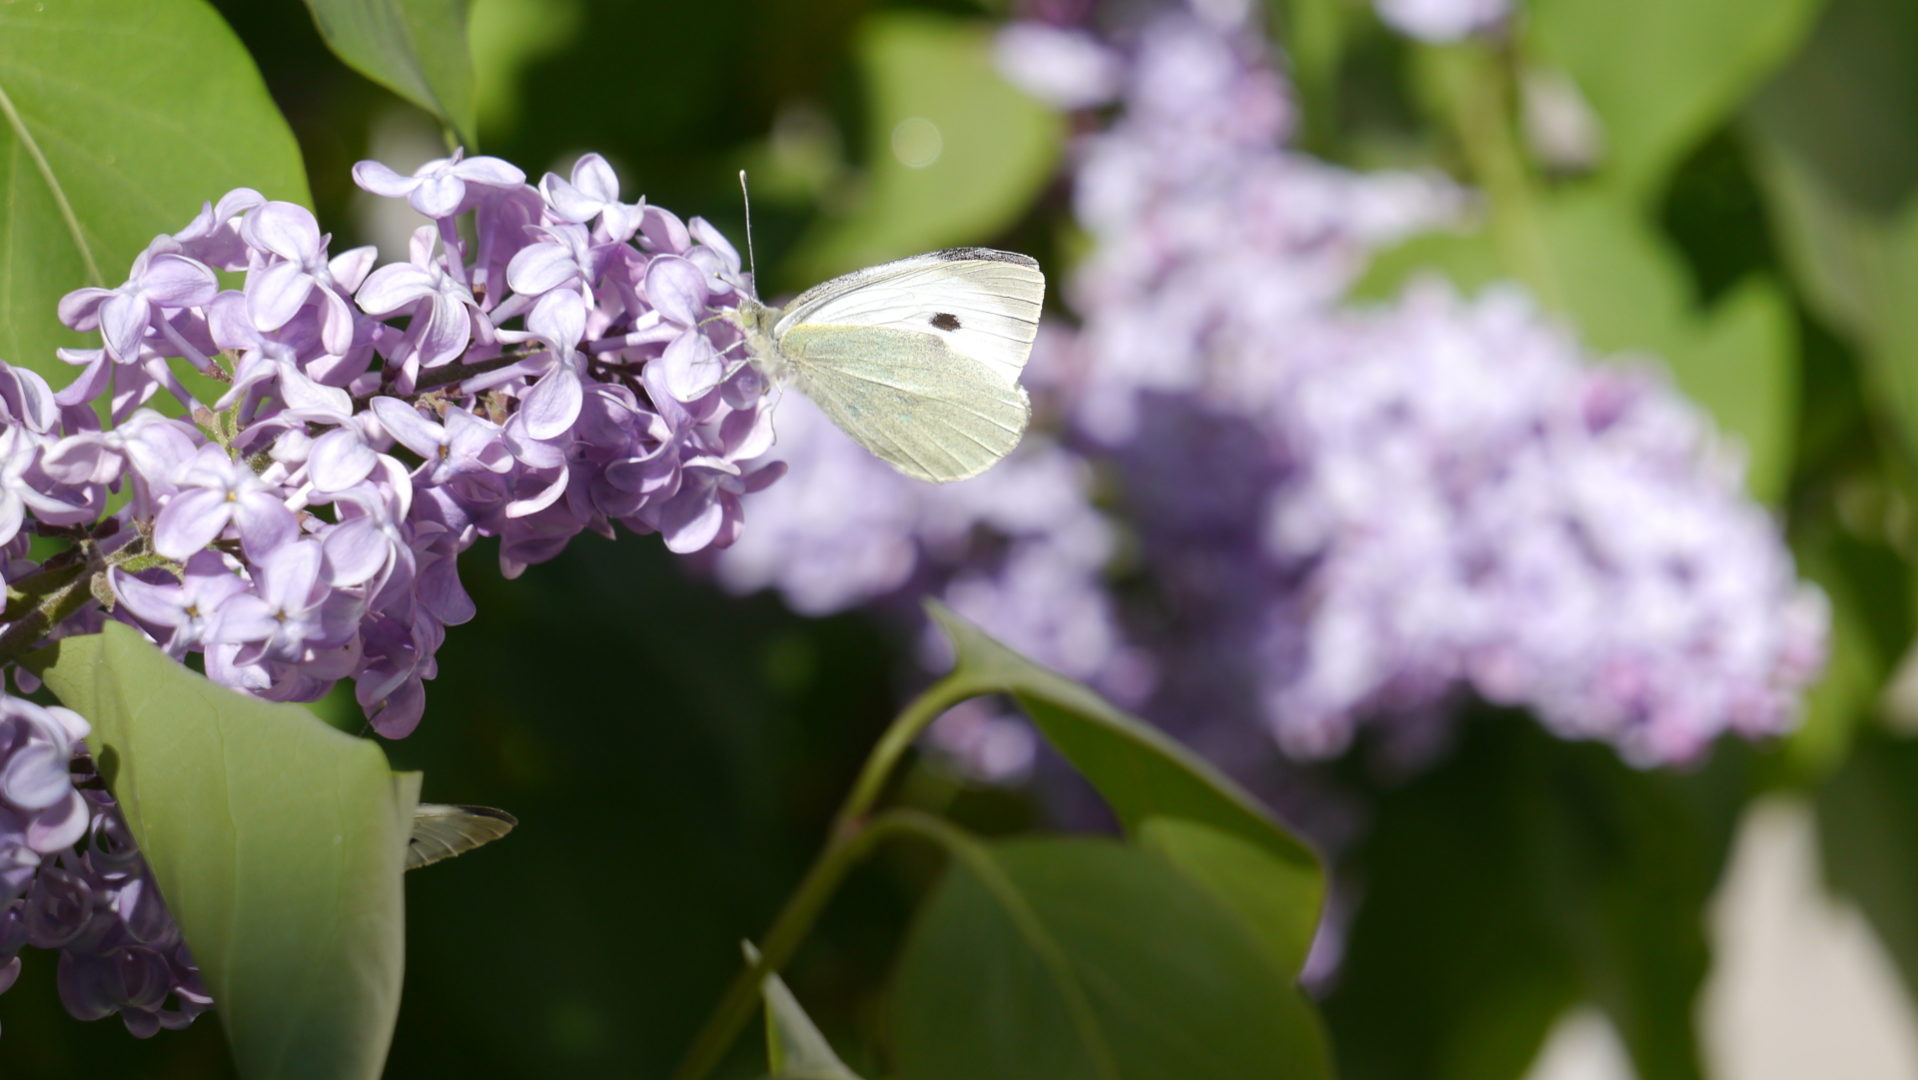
(1273, 516)
(547, 360)
(72, 879)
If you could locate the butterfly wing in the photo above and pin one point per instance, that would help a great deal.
(930, 412)
(441, 831)
(983, 304)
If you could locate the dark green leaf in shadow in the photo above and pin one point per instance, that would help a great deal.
(1213, 828)
(276, 840)
(1081, 958)
(1520, 876)
(1841, 194)
(1871, 626)
(117, 121)
(416, 48)
(795, 1048)
(954, 153)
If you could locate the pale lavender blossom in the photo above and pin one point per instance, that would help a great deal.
(216, 491)
(1443, 21)
(592, 193)
(301, 272)
(438, 188)
(179, 612)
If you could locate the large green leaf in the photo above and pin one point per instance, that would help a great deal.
(117, 121)
(1837, 151)
(276, 840)
(1165, 796)
(1080, 958)
(795, 1047)
(954, 153)
(1518, 877)
(1662, 75)
(415, 48)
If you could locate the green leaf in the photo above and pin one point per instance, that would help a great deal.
(1522, 875)
(1741, 364)
(1164, 795)
(795, 1049)
(1867, 831)
(1871, 626)
(415, 48)
(1081, 958)
(276, 840)
(1662, 75)
(117, 121)
(954, 153)
(1841, 195)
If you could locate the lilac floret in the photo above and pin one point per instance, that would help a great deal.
(72, 880)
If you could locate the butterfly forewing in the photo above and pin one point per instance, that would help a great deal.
(441, 831)
(909, 398)
(983, 304)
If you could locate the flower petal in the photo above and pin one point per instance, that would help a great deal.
(448, 330)
(567, 201)
(157, 604)
(691, 367)
(284, 229)
(274, 295)
(339, 459)
(559, 319)
(394, 286)
(552, 405)
(488, 170)
(175, 281)
(380, 180)
(264, 523)
(677, 288)
(123, 322)
(190, 521)
(408, 427)
(539, 268)
(355, 550)
(438, 196)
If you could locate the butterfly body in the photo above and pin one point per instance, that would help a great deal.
(918, 359)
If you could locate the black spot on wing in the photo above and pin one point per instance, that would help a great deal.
(946, 321)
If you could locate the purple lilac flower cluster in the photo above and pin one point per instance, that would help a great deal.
(547, 360)
(72, 879)
(1324, 517)
(559, 371)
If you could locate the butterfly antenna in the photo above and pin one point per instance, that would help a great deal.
(752, 261)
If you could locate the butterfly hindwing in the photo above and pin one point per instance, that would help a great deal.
(983, 304)
(441, 831)
(909, 397)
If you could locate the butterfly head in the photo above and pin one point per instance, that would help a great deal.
(755, 322)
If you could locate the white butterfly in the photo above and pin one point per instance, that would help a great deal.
(918, 360)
